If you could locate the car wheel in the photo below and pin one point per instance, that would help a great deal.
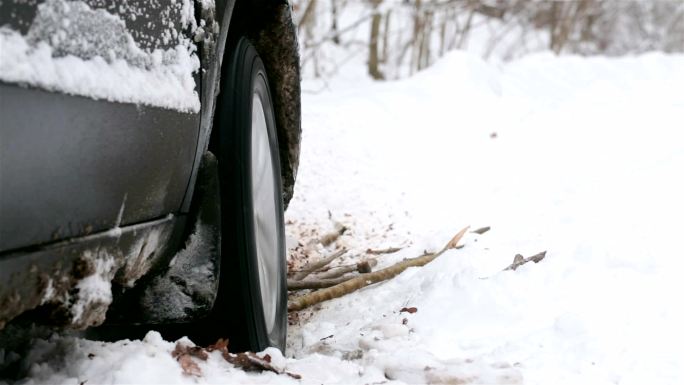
(251, 305)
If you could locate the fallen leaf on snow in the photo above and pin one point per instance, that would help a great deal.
(409, 310)
(189, 366)
(250, 362)
(184, 355)
(221, 345)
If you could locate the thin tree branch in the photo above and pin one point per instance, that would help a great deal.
(332, 236)
(519, 260)
(364, 280)
(316, 265)
(362, 267)
(388, 250)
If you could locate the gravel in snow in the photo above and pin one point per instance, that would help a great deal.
(586, 163)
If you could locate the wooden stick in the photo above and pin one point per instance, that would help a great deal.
(331, 237)
(481, 230)
(334, 272)
(388, 250)
(316, 265)
(306, 284)
(364, 280)
(519, 260)
(332, 278)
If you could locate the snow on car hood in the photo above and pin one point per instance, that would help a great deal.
(75, 49)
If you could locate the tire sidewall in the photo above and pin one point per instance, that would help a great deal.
(247, 76)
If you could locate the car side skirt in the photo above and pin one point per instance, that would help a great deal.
(70, 283)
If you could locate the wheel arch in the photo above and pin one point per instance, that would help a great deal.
(269, 26)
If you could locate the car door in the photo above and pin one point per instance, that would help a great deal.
(99, 115)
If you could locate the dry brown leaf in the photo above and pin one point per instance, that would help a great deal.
(193, 351)
(184, 355)
(189, 366)
(221, 345)
(409, 310)
(250, 362)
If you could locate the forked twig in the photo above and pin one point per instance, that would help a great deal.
(364, 280)
(332, 277)
(519, 260)
(317, 265)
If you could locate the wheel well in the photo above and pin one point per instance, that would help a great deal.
(268, 25)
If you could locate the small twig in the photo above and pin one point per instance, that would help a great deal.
(388, 250)
(364, 280)
(519, 260)
(346, 266)
(331, 278)
(481, 230)
(332, 236)
(307, 284)
(362, 267)
(316, 265)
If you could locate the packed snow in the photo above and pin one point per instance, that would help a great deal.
(104, 62)
(581, 157)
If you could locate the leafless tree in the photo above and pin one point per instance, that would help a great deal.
(399, 37)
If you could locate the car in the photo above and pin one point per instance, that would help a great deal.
(148, 151)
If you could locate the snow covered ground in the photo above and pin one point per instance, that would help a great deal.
(581, 157)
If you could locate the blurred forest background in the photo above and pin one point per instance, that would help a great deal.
(396, 38)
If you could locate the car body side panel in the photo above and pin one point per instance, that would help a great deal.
(70, 166)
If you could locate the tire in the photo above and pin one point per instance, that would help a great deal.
(251, 305)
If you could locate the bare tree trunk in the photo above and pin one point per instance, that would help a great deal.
(416, 42)
(426, 39)
(308, 21)
(308, 14)
(564, 18)
(385, 38)
(442, 33)
(373, 57)
(466, 29)
(555, 16)
(335, 32)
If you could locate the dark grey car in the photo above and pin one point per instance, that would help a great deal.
(147, 152)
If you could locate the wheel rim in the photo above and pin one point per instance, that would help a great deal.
(264, 213)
